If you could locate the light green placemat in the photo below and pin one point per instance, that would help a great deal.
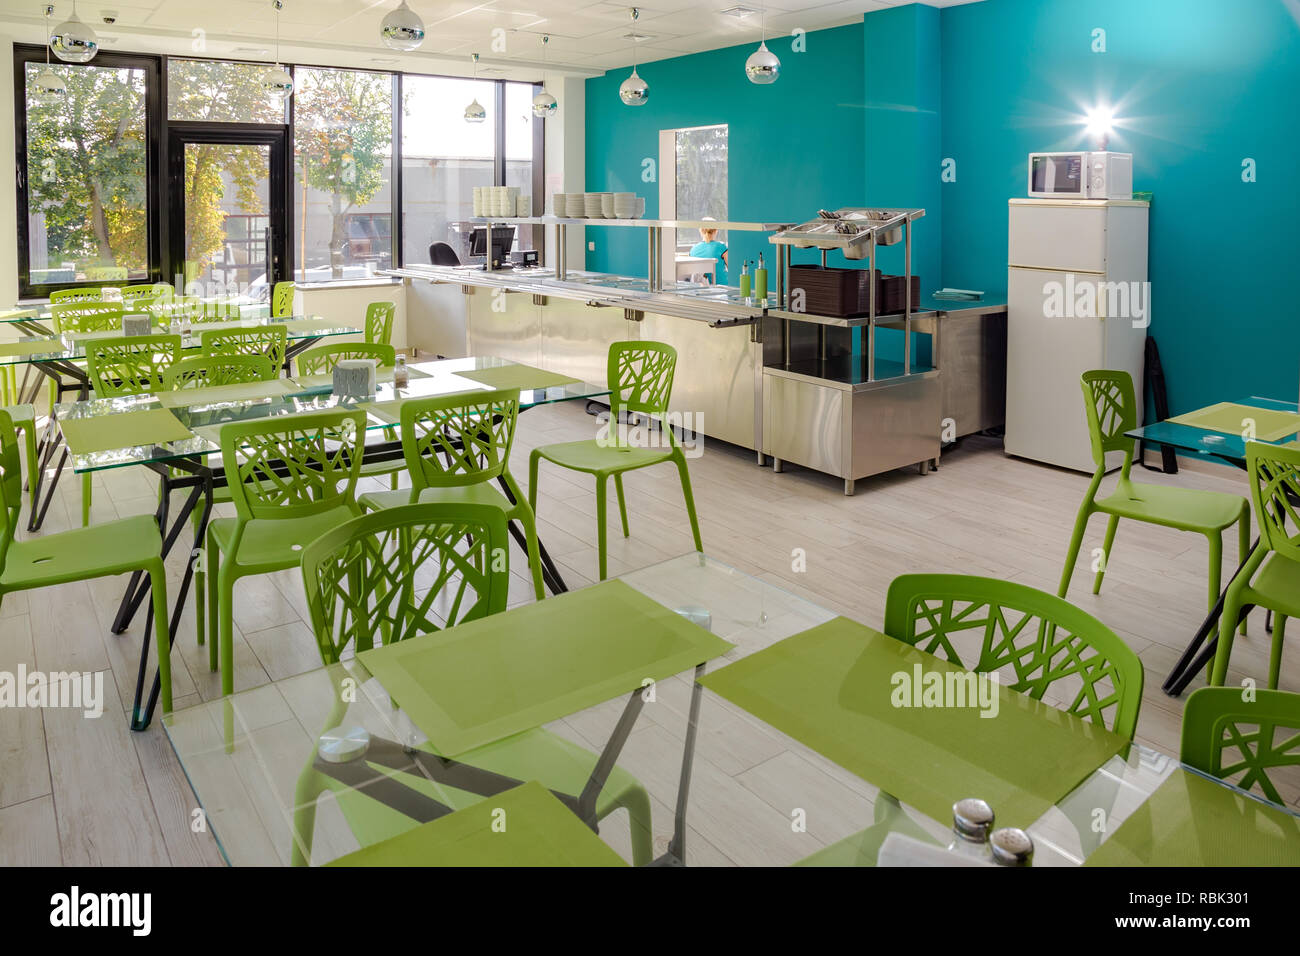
(1229, 417)
(40, 347)
(207, 395)
(525, 826)
(152, 426)
(517, 376)
(1193, 821)
(834, 689)
(485, 680)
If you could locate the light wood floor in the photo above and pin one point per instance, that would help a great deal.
(88, 792)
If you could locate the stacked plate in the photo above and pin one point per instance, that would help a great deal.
(591, 203)
(559, 205)
(624, 205)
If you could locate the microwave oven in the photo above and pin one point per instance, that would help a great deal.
(1081, 175)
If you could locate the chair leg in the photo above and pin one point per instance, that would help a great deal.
(85, 500)
(214, 622)
(1216, 566)
(622, 505)
(226, 628)
(534, 460)
(1243, 545)
(162, 633)
(29, 441)
(200, 560)
(1227, 629)
(1112, 525)
(1275, 656)
(684, 474)
(637, 802)
(534, 551)
(600, 522)
(1072, 555)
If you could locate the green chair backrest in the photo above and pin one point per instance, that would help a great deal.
(1240, 741)
(361, 577)
(11, 485)
(158, 291)
(293, 466)
(163, 309)
(133, 365)
(268, 340)
(640, 376)
(200, 371)
(87, 316)
(455, 440)
(1112, 411)
(92, 294)
(1274, 489)
(282, 299)
(379, 322)
(1044, 640)
(323, 358)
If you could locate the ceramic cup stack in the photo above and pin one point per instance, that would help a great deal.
(624, 205)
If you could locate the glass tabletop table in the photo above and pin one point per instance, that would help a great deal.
(1229, 447)
(725, 787)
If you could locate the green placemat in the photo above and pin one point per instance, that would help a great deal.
(833, 688)
(485, 680)
(525, 826)
(38, 347)
(242, 392)
(1193, 821)
(152, 426)
(1229, 418)
(517, 376)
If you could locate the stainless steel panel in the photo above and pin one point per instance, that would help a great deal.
(505, 325)
(575, 338)
(895, 425)
(973, 370)
(715, 375)
(804, 423)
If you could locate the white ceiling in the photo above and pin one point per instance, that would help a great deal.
(587, 37)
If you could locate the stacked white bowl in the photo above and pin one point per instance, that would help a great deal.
(591, 205)
(480, 201)
(640, 208)
(624, 205)
(559, 205)
(524, 206)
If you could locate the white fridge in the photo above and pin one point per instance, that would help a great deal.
(1077, 299)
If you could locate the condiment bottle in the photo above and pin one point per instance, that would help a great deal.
(401, 376)
(760, 280)
(744, 280)
(1011, 847)
(972, 822)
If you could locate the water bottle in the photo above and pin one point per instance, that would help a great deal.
(401, 377)
(972, 822)
(1011, 847)
(176, 324)
(187, 329)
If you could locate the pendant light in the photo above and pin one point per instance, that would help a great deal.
(73, 41)
(49, 86)
(276, 79)
(475, 113)
(402, 29)
(762, 67)
(544, 104)
(634, 91)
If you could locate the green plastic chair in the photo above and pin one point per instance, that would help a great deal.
(112, 548)
(61, 296)
(1240, 741)
(23, 418)
(291, 479)
(86, 316)
(268, 340)
(1275, 566)
(455, 446)
(202, 371)
(133, 365)
(379, 322)
(1045, 640)
(282, 299)
(416, 569)
(1112, 411)
(322, 359)
(157, 292)
(640, 376)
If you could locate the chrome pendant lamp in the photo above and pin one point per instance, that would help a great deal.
(72, 41)
(634, 91)
(276, 79)
(762, 67)
(402, 29)
(49, 86)
(544, 104)
(475, 112)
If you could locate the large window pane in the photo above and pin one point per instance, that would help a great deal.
(519, 150)
(343, 152)
(215, 91)
(87, 174)
(443, 159)
(701, 179)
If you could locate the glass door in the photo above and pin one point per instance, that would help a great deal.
(228, 209)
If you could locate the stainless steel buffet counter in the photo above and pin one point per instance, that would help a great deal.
(785, 385)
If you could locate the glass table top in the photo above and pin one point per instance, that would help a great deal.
(204, 410)
(756, 796)
(215, 306)
(71, 346)
(1229, 447)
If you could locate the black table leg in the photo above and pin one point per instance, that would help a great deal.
(550, 573)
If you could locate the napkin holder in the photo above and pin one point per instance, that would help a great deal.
(138, 324)
(355, 378)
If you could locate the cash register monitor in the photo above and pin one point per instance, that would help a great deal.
(503, 239)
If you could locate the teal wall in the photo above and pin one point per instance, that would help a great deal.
(1197, 86)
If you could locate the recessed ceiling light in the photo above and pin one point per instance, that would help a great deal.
(251, 50)
(637, 37)
(739, 12)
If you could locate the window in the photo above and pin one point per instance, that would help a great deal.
(343, 164)
(217, 91)
(519, 122)
(443, 159)
(87, 177)
(701, 178)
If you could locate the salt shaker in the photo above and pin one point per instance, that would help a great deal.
(972, 822)
(401, 376)
(1012, 847)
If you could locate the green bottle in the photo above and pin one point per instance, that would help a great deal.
(744, 280)
(760, 280)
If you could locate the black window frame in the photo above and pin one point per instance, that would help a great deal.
(157, 124)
